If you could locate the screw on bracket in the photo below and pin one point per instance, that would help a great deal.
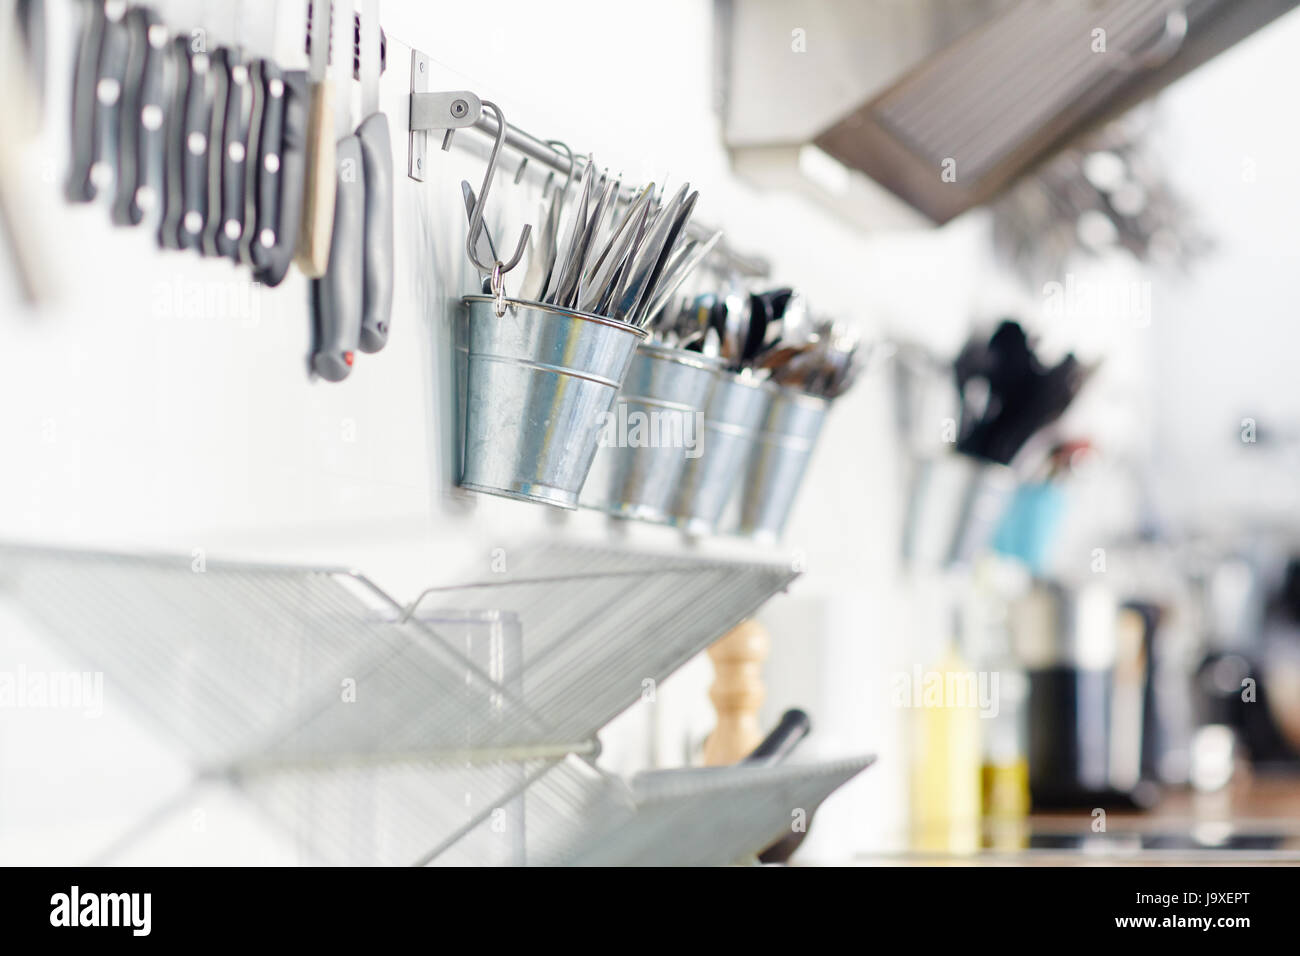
(459, 108)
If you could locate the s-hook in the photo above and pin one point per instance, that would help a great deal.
(498, 268)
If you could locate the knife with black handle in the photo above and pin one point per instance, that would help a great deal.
(194, 173)
(219, 78)
(792, 728)
(142, 132)
(280, 178)
(235, 152)
(174, 150)
(114, 51)
(259, 73)
(80, 186)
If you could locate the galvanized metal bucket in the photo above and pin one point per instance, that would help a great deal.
(955, 507)
(654, 430)
(733, 419)
(538, 384)
(777, 466)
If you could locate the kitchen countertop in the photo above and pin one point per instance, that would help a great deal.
(1253, 822)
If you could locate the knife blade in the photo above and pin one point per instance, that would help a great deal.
(315, 232)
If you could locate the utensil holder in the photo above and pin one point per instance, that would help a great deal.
(733, 419)
(654, 430)
(956, 504)
(776, 469)
(538, 382)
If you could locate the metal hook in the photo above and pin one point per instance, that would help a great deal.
(476, 225)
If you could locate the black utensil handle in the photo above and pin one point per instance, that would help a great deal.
(377, 161)
(198, 116)
(257, 77)
(142, 130)
(172, 194)
(280, 184)
(339, 294)
(220, 83)
(110, 88)
(80, 187)
(234, 155)
(793, 727)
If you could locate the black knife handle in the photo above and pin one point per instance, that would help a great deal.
(280, 183)
(257, 78)
(220, 80)
(110, 90)
(262, 209)
(173, 184)
(80, 187)
(793, 727)
(142, 131)
(235, 154)
(377, 162)
(198, 118)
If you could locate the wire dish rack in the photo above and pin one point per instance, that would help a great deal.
(378, 733)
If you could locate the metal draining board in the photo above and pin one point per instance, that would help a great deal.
(578, 816)
(397, 814)
(240, 663)
(599, 625)
(370, 734)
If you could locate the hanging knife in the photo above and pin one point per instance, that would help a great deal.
(264, 131)
(234, 154)
(101, 74)
(338, 295)
(80, 187)
(142, 134)
(219, 78)
(173, 187)
(196, 127)
(313, 251)
(377, 167)
(280, 176)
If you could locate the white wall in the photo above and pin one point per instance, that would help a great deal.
(131, 423)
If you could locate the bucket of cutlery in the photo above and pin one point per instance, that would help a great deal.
(780, 458)
(956, 504)
(733, 419)
(539, 381)
(654, 430)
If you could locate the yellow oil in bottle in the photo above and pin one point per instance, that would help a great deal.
(947, 759)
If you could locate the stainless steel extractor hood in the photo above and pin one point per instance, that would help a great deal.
(947, 102)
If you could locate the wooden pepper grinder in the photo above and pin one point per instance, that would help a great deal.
(737, 693)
